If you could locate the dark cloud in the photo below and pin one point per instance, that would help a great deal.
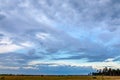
(17, 59)
(1, 35)
(2, 16)
(90, 58)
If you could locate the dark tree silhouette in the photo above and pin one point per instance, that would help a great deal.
(107, 72)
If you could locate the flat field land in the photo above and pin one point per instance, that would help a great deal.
(59, 77)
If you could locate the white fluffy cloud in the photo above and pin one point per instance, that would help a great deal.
(9, 48)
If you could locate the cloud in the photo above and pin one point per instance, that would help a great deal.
(64, 70)
(59, 30)
(18, 60)
(8, 68)
(6, 45)
(50, 70)
(2, 16)
(9, 48)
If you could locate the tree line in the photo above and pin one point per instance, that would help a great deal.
(107, 72)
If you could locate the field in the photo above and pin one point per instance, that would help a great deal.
(59, 78)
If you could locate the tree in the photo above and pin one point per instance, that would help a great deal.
(107, 72)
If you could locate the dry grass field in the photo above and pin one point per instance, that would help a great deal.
(59, 78)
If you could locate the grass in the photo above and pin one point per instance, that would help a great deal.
(59, 78)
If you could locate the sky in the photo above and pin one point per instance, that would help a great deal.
(59, 37)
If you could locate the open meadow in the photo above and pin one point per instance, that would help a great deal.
(59, 77)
